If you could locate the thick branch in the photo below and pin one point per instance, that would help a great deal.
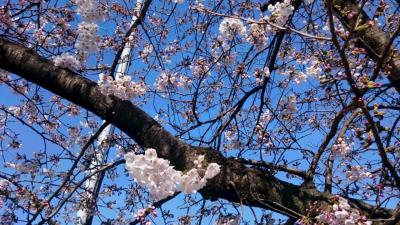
(236, 182)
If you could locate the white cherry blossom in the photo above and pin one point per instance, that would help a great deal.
(161, 179)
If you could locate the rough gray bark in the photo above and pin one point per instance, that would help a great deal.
(236, 182)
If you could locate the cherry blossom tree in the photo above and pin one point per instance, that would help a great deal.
(240, 112)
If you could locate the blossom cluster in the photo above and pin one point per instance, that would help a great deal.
(232, 140)
(169, 79)
(192, 181)
(228, 220)
(357, 173)
(15, 110)
(31, 111)
(341, 148)
(280, 12)
(230, 27)
(162, 179)
(90, 10)
(166, 79)
(74, 134)
(291, 105)
(147, 50)
(342, 214)
(230, 134)
(300, 77)
(22, 167)
(67, 61)
(265, 117)
(314, 69)
(122, 87)
(40, 35)
(142, 213)
(6, 19)
(4, 184)
(4, 76)
(257, 35)
(200, 68)
(86, 41)
(260, 75)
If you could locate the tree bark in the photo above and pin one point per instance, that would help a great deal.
(236, 182)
